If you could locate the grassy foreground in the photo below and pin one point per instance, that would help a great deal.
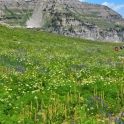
(52, 79)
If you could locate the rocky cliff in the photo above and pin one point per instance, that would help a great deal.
(67, 17)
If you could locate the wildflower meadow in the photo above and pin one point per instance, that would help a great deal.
(53, 79)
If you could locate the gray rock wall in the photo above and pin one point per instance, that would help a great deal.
(69, 17)
(93, 33)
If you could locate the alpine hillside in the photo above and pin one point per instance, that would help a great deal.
(66, 17)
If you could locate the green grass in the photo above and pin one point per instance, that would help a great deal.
(93, 19)
(17, 16)
(52, 79)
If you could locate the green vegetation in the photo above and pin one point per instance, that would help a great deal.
(93, 19)
(17, 16)
(52, 79)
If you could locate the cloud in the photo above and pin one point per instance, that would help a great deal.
(108, 4)
(117, 8)
(81, 0)
(113, 6)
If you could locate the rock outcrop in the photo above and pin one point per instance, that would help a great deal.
(67, 17)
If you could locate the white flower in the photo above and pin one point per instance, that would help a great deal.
(35, 97)
(88, 109)
(53, 99)
(9, 96)
(9, 89)
(16, 107)
(27, 85)
(2, 100)
(33, 92)
(10, 104)
(19, 122)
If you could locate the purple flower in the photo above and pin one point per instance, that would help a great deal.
(122, 117)
(109, 117)
(102, 102)
(20, 69)
(116, 119)
(106, 106)
(43, 69)
(36, 62)
(5, 61)
(98, 98)
(122, 114)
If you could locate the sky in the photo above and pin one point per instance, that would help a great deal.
(116, 5)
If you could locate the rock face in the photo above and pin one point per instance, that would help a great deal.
(17, 4)
(67, 17)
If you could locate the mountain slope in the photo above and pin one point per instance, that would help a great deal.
(74, 18)
(51, 79)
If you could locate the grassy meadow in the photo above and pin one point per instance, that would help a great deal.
(52, 79)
